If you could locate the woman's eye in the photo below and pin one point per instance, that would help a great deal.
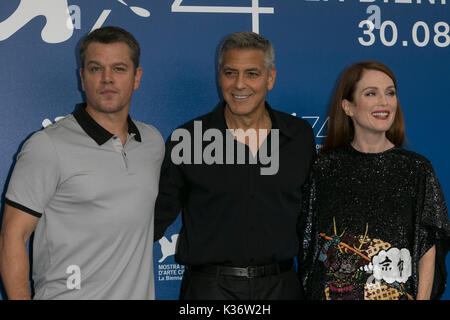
(391, 93)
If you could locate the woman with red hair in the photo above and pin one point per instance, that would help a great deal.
(375, 221)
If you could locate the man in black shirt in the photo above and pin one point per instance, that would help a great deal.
(236, 174)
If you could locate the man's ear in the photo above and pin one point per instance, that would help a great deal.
(219, 71)
(137, 77)
(82, 79)
(271, 78)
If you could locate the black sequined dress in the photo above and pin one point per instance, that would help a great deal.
(367, 221)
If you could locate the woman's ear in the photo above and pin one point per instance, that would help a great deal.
(347, 107)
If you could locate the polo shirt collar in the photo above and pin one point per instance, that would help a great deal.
(96, 131)
(218, 120)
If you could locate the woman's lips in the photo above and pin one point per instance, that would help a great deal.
(381, 114)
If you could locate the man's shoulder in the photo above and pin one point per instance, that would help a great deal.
(291, 119)
(204, 118)
(293, 125)
(147, 130)
(56, 130)
(151, 138)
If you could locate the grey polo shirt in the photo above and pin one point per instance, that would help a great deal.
(95, 200)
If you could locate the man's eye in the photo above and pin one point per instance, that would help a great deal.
(119, 69)
(253, 74)
(95, 69)
(370, 94)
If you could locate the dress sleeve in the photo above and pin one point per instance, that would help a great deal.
(306, 230)
(434, 228)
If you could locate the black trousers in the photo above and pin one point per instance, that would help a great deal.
(205, 286)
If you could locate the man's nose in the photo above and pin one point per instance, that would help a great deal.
(107, 76)
(240, 82)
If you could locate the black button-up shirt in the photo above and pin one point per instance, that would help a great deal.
(232, 214)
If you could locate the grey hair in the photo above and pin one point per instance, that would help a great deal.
(248, 40)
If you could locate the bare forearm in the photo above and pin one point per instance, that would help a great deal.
(426, 274)
(14, 268)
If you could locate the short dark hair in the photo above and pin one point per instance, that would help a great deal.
(108, 35)
(340, 126)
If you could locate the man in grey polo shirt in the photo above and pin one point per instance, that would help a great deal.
(87, 185)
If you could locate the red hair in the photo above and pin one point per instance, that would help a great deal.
(340, 126)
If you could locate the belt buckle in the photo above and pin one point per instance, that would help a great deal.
(255, 271)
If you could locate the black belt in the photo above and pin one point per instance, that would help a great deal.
(247, 272)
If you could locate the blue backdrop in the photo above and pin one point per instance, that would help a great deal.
(314, 40)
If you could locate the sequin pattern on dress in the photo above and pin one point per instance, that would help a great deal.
(367, 220)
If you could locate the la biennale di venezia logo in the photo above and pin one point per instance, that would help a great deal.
(62, 18)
